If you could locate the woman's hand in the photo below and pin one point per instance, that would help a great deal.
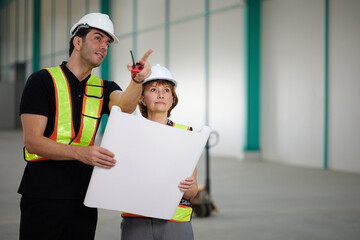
(187, 184)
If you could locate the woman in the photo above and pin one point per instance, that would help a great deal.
(157, 100)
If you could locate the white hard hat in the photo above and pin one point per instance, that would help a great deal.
(159, 72)
(96, 20)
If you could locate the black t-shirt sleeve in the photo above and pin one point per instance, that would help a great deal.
(38, 94)
(109, 86)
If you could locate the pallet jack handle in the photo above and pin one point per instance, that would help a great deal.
(207, 154)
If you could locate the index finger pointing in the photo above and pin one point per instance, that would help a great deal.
(146, 55)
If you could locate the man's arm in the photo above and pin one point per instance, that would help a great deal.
(129, 99)
(34, 126)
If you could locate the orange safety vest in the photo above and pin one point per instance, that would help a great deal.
(90, 116)
(183, 213)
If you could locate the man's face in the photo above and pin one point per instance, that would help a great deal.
(94, 47)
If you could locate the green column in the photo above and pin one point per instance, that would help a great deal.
(105, 66)
(326, 100)
(252, 25)
(36, 34)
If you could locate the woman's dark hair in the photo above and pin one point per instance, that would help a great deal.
(143, 108)
(81, 32)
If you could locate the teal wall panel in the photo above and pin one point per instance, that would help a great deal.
(36, 34)
(253, 45)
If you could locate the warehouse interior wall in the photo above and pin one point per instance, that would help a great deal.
(181, 42)
(293, 81)
(309, 58)
(344, 85)
(310, 83)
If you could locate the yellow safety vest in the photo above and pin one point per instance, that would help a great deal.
(183, 213)
(90, 116)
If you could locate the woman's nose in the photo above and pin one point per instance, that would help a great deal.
(160, 94)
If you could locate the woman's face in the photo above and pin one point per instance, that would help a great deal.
(157, 97)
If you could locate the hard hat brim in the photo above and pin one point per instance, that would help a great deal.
(158, 79)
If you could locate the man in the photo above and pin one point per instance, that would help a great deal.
(60, 110)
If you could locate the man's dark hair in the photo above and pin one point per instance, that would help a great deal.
(82, 32)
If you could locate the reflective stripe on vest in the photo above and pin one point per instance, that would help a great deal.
(91, 112)
(183, 213)
(181, 126)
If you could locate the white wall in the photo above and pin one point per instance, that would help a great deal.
(227, 83)
(293, 83)
(3, 43)
(10, 52)
(187, 61)
(344, 85)
(292, 73)
(9, 109)
(186, 55)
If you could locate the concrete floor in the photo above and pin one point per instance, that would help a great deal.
(256, 200)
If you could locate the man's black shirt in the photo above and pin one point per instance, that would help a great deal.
(57, 179)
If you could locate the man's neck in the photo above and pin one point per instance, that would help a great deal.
(81, 71)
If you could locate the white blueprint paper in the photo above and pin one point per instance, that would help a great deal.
(152, 159)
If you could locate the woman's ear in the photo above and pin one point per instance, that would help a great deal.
(142, 100)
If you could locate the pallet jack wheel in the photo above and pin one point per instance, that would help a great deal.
(202, 210)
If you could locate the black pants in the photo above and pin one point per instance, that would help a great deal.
(56, 219)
